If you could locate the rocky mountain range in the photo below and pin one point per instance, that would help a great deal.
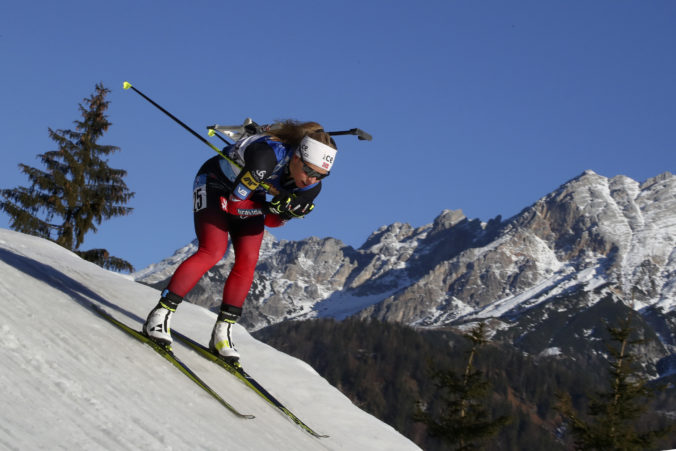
(547, 279)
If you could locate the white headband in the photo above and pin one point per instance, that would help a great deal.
(317, 153)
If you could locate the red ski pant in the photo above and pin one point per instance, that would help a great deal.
(212, 226)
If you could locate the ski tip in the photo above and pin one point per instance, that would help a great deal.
(126, 85)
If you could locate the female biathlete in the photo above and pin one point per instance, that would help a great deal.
(292, 158)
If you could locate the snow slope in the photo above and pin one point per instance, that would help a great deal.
(70, 380)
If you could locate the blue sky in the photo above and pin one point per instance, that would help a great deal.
(480, 106)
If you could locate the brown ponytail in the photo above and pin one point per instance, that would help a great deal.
(291, 132)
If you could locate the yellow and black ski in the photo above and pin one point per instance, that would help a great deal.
(237, 370)
(167, 353)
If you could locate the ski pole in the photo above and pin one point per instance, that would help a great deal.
(361, 134)
(127, 85)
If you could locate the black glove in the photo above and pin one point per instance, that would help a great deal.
(289, 206)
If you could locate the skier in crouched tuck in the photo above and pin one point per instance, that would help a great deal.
(292, 157)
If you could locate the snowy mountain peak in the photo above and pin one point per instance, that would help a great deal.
(594, 235)
(448, 219)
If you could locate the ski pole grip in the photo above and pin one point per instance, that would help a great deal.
(362, 135)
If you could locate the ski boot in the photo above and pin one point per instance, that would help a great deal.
(221, 337)
(158, 325)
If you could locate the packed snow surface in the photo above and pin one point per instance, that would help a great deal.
(71, 380)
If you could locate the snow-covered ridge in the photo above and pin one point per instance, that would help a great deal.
(73, 381)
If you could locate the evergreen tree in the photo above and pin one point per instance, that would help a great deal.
(614, 414)
(464, 419)
(77, 190)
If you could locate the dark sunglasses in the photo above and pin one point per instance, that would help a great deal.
(311, 172)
